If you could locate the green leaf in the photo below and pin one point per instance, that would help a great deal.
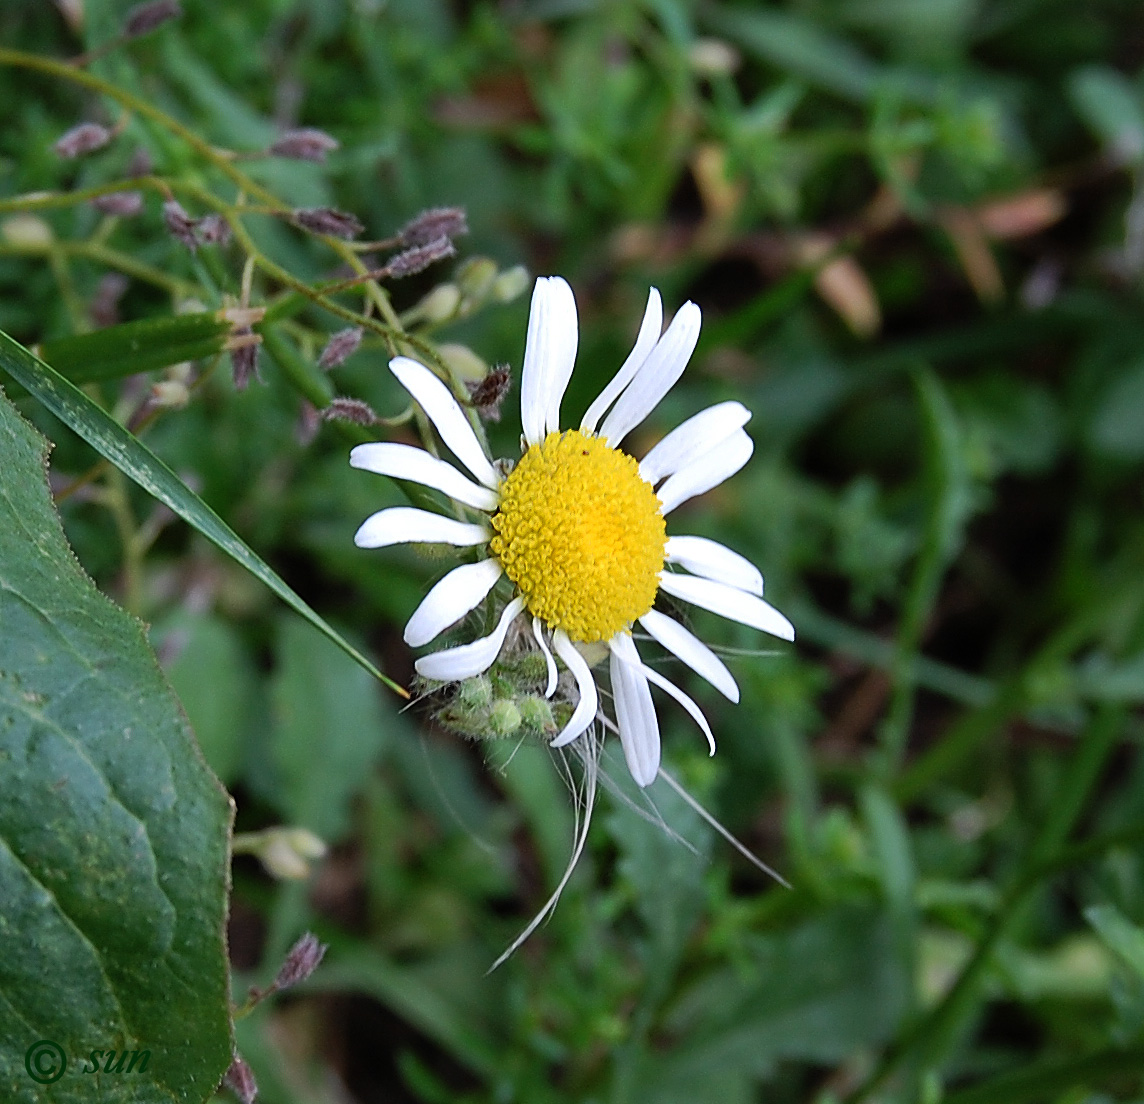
(328, 730)
(114, 860)
(1119, 934)
(1117, 427)
(135, 460)
(818, 993)
(1112, 107)
(142, 346)
(214, 679)
(795, 45)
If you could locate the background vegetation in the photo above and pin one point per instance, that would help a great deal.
(916, 231)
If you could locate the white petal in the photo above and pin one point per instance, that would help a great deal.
(715, 561)
(446, 414)
(406, 462)
(656, 376)
(691, 439)
(468, 660)
(687, 703)
(635, 711)
(585, 711)
(650, 330)
(562, 347)
(463, 589)
(538, 632)
(711, 469)
(549, 353)
(404, 524)
(688, 647)
(728, 602)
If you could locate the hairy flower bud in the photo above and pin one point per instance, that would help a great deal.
(304, 144)
(536, 714)
(180, 224)
(327, 220)
(419, 258)
(122, 204)
(504, 718)
(243, 345)
(488, 395)
(213, 230)
(82, 139)
(301, 961)
(240, 1080)
(144, 18)
(340, 346)
(342, 409)
(104, 309)
(436, 222)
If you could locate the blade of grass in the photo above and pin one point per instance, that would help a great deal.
(139, 463)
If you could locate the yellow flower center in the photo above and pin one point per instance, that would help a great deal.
(581, 534)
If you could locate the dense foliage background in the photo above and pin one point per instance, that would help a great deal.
(916, 231)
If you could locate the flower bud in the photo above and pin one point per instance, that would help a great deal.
(436, 222)
(327, 220)
(510, 284)
(340, 346)
(504, 718)
(475, 693)
(304, 144)
(180, 224)
(144, 18)
(489, 393)
(301, 961)
(240, 1080)
(82, 139)
(476, 277)
(213, 230)
(26, 231)
(122, 204)
(536, 715)
(440, 304)
(170, 394)
(104, 309)
(463, 363)
(419, 258)
(243, 346)
(342, 409)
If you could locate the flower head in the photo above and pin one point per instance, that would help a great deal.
(578, 527)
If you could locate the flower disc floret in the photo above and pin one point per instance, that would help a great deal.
(581, 534)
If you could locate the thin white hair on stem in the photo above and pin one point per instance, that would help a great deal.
(590, 755)
(647, 811)
(468, 829)
(714, 823)
(500, 768)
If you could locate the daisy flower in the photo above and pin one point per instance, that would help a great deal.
(578, 526)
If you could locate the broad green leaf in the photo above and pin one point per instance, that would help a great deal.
(328, 729)
(214, 678)
(1119, 934)
(1117, 427)
(819, 993)
(1112, 107)
(114, 860)
(135, 460)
